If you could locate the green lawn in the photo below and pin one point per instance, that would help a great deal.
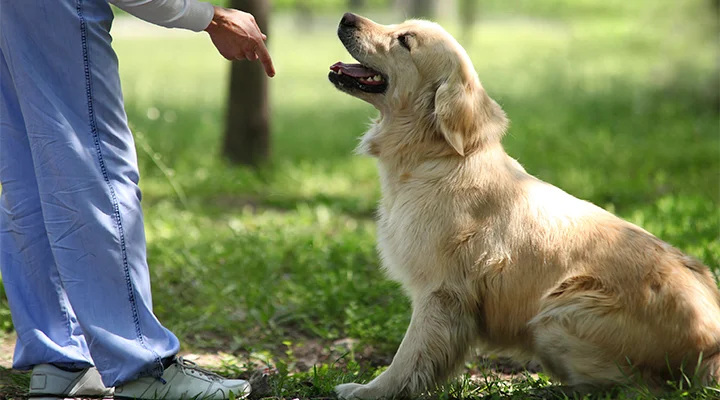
(618, 106)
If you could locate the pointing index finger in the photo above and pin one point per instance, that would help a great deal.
(265, 59)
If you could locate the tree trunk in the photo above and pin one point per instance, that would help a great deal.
(468, 15)
(356, 4)
(422, 9)
(247, 129)
(304, 15)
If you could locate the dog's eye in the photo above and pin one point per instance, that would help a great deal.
(403, 39)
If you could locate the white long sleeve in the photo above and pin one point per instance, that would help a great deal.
(185, 14)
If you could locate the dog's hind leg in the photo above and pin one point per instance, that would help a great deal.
(435, 345)
(572, 360)
(710, 370)
(585, 334)
(572, 330)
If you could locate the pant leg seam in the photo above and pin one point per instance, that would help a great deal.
(157, 371)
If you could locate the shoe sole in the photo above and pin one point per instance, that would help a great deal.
(69, 398)
(237, 397)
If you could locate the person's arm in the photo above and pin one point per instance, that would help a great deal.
(234, 33)
(193, 15)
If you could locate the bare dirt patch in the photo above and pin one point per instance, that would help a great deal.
(7, 347)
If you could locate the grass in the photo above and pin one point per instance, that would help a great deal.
(277, 268)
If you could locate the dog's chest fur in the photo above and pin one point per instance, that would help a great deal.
(410, 231)
(422, 224)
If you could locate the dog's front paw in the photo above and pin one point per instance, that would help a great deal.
(347, 390)
(354, 391)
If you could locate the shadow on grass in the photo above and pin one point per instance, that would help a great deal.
(346, 205)
(13, 384)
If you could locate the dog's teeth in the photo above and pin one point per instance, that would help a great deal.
(377, 78)
(339, 72)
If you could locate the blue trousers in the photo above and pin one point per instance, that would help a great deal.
(72, 241)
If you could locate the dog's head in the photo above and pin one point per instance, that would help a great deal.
(417, 74)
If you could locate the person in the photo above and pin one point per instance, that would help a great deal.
(72, 241)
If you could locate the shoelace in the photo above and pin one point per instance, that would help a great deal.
(187, 366)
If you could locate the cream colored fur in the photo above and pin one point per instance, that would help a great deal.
(491, 256)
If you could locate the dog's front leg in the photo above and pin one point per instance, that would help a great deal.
(435, 345)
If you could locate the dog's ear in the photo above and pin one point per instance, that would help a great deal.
(456, 111)
(465, 114)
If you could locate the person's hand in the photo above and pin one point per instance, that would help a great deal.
(237, 36)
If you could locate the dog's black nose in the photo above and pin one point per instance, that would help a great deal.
(349, 20)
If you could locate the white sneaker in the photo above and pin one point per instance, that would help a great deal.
(50, 381)
(183, 380)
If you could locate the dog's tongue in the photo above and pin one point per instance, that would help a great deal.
(354, 70)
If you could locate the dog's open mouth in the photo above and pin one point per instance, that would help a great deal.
(357, 76)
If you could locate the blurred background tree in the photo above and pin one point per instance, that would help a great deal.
(422, 9)
(356, 4)
(467, 15)
(247, 130)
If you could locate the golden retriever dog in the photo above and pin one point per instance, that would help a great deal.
(491, 256)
